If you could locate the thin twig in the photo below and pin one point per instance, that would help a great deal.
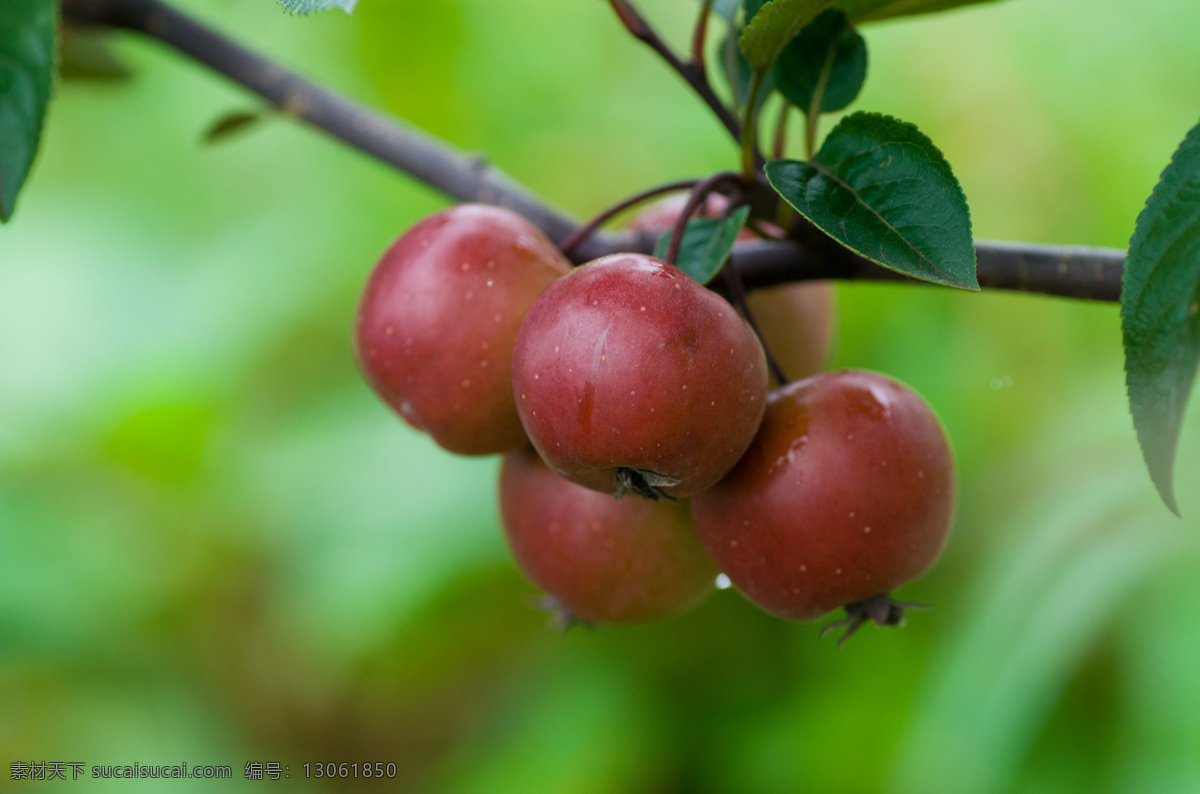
(699, 195)
(695, 76)
(736, 292)
(589, 228)
(1074, 272)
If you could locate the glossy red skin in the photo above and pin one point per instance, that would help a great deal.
(847, 492)
(606, 561)
(438, 319)
(796, 320)
(628, 362)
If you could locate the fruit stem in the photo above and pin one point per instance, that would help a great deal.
(587, 230)
(695, 201)
(737, 296)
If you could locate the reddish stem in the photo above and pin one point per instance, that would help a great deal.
(695, 75)
(588, 229)
(697, 198)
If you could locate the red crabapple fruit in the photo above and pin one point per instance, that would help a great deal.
(630, 376)
(796, 320)
(847, 493)
(437, 322)
(602, 560)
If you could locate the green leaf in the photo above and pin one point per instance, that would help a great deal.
(27, 39)
(1159, 322)
(706, 244)
(231, 124)
(882, 189)
(309, 6)
(827, 61)
(871, 10)
(739, 73)
(765, 36)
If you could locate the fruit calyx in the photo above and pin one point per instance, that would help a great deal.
(561, 618)
(880, 608)
(643, 483)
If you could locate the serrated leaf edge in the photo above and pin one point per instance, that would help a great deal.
(950, 280)
(1130, 306)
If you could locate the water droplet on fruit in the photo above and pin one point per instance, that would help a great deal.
(723, 582)
(465, 266)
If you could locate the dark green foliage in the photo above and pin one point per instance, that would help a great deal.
(828, 58)
(882, 189)
(27, 42)
(1159, 322)
(706, 244)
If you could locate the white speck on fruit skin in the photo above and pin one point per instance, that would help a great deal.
(466, 382)
(866, 530)
(465, 266)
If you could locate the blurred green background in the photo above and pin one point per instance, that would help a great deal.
(217, 546)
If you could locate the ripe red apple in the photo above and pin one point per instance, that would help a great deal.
(603, 560)
(629, 375)
(796, 320)
(847, 493)
(438, 319)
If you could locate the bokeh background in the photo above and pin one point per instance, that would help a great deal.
(216, 546)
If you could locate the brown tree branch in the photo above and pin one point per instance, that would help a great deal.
(693, 72)
(1090, 273)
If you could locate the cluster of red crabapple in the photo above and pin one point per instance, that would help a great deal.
(624, 377)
